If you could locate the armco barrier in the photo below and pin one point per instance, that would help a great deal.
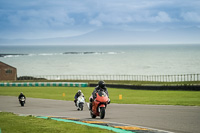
(43, 84)
(154, 87)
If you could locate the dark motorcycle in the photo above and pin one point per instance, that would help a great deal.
(22, 101)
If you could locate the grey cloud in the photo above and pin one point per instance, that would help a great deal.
(45, 15)
(191, 16)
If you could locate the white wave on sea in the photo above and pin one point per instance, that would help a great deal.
(84, 53)
(10, 56)
(49, 54)
(52, 54)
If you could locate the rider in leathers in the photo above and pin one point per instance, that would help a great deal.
(21, 95)
(101, 85)
(77, 95)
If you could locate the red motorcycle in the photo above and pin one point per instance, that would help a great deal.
(99, 104)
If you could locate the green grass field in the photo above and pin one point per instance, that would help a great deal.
(187, 98)
(10, 123)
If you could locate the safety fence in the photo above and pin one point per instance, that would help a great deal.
(53, 84)
(157, 78)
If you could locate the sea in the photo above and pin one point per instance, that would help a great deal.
(103, 59)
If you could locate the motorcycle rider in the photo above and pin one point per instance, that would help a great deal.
(101, 85)
(77, 95)
(21, 95)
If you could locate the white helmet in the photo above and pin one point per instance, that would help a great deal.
(79, 92)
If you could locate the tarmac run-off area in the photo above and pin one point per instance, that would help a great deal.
(130, 117)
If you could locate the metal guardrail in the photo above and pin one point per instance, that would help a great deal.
(158, 78)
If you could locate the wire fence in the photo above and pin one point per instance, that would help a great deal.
(157, 78)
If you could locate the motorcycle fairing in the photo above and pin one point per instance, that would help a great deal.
(100, 101)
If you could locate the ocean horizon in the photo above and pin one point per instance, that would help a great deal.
(103, 60)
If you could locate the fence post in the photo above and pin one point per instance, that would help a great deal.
(184, 77)
(167, 78)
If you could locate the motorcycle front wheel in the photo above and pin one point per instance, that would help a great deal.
(81, 106)
(102, 112)
(22, 104)
(92, 115)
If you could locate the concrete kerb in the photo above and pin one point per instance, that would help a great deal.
(116, 127)
(118, 130)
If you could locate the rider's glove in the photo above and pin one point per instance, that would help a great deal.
(91, 100)
(109, 101)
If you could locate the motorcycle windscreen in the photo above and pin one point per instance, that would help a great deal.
(22, 99)
(102, 93)
(101, 96)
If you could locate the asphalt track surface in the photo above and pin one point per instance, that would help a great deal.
(179, 119)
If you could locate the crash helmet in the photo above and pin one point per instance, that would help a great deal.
(101, 84)
(79, 92)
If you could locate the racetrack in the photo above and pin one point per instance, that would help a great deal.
(178, 119)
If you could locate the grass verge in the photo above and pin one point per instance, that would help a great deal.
(187, 98)
(11, 123)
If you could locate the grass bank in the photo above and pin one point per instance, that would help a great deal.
(187, 98)
(10, 123)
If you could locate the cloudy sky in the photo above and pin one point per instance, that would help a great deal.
(36, 19)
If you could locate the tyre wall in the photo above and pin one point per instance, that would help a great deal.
(44, 84)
